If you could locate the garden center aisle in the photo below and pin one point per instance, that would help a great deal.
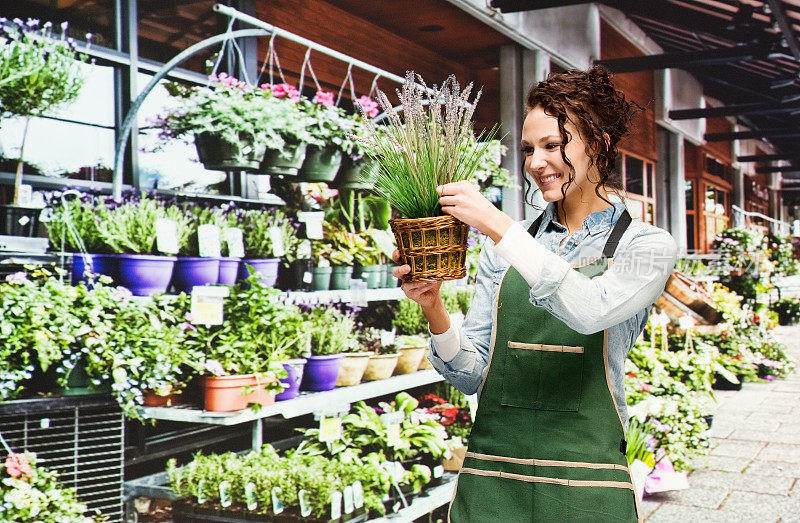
(753, 470)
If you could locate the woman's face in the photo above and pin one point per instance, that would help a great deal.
(541, 145)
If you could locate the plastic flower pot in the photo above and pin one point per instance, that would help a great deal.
(93, 263)
(145, 275)
(78, 381)
(296, 276)
(425, 363)
(219, 154)
(435, 248)
(352, 368)
(151, 399)
(258, 393)
(356, 174)
(340, 277)
(321, 278)
(226, 393)
(266, 269)
(291, 384)
(410, 358)
(286, 162)
(321, 163)
(191, 271)
(228, 270)
(380, 367)
(17, 220)
(371, 274)
(321, 372)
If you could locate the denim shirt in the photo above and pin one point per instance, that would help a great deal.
(619, 300)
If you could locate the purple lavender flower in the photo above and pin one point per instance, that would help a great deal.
(17, 278)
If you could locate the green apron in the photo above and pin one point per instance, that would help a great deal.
(548, 443)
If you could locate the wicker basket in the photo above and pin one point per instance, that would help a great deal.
(435, 248)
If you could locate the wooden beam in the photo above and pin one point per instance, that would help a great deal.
(753, 135)
(777, 169)
(686, 59)
(779, 15)
(515, 6)
(768, 157)
(759, 109)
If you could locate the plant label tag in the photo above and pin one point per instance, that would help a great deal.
(358, 494)
(393, 438)
(336, 505)
(348, 500)
(201, 491)
(225, 494)
(235, 240)
(167, 236)
(277, 503)
(438, 471)
(207, 304)
(387, 338)
(313, 221)
(25, 195)
(358, 292)
(308, 277)
(208, 241)
(330, 429)
(396, 507)
(393, 418)
(305, 504)
(395, 470)
(250, 496)
(276, 237)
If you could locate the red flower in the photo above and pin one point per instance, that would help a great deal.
(631, 374)
(18, 465)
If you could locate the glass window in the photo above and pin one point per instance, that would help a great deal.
(688, 189)
(651, 181)
(711, 203)
(634, 175)
(690, 232)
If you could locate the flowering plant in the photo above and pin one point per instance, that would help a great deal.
(74, 224)
(29, 492)
(257, 226)
(781, 254)
(332, 331)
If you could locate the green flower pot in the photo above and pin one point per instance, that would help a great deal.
(340, 277)
(356, 174)
(321, 278)
(286, 162)
(321, 163)
(373, 275)
(219, 154)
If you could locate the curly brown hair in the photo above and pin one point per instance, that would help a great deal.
(600, 112)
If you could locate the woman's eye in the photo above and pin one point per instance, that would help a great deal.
(527, 150)
(553, 146)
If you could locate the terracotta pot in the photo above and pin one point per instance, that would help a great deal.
(410, 358)
(425, 363)
(352, 368)
(380, 366)
(151, 399)
(227, 393)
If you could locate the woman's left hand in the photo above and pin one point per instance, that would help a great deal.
(462, 200)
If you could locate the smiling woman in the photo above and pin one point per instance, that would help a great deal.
(545, 340)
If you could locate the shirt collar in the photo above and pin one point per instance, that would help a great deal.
(595, 223)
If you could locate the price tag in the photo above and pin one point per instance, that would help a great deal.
(25, 196)
(167, 236)
(225, 494)
(308, 277)
(330, 429)
(250, 496)
(201, 491)
(208, 241)
(305, 503)
(438, 471)
(336, 505)
(358, 494)
(387, 338)
(277, 503)
(235, 241)
(313, 221)
(304, 250)
(393, 435)
(358, 293)
(276, 237)
(348, 500)
(207, 304)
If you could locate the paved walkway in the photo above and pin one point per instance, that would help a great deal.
(753, 471)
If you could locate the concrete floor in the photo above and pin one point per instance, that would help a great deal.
(752, 473)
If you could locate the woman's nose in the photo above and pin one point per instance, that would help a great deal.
(536, 162)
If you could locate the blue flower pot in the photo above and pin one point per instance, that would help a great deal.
(145, 275)
(321, 372)
(191, 271)
(266, 269)
(228, 270)
(294, 369)
(105, 264)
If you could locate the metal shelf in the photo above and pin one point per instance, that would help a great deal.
(349, 295)
(426, 503)
(306, 403)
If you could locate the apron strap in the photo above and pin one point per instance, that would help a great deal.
(613, 240)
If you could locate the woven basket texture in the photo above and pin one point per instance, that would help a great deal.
(435, 248)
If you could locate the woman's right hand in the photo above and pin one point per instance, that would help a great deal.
(424, 293)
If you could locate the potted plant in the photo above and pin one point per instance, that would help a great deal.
(383, 359)
(322, 270)
(259, 244)
(191, 269)
(232, 123)
(788, 310)
(358, 169)
(427, 148)
(130, 231)
(295, 271)
(38, 74)
(343, 247)
(412, 351)
(331, 334)
(331, 125)
(228, 264)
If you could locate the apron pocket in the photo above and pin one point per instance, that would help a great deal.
(543, 377)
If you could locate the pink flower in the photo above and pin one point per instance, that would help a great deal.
(368, 105)
(647, 387)
(325, 98)
(769, 377)
(18, 465)
(187, 326)
(17, 278)
(281, 90)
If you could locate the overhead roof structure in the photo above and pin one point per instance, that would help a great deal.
(746, 53)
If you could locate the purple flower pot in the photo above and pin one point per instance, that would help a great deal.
(228, 270)
(294, 369)
(96, 264)
(191, 271)
(266, 269)
(145, 274)
(321, 372)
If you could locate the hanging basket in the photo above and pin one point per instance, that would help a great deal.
(435, 248)
(218, 154)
